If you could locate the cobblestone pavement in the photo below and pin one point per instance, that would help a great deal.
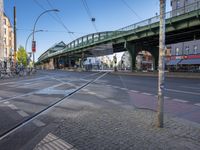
(95, 119)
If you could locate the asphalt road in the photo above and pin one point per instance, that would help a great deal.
(29, 108)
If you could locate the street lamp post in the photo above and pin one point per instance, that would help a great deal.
(28, 39)
(33, 41)
(30, 36)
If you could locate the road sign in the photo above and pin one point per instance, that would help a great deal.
(33, 46)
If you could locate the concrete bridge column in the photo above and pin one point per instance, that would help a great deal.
(155, 54)
(55, 63)
(131, 48)
(69, 62)
(51, 64)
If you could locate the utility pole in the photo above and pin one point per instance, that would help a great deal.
(161, 67)
(15, 37)
(1, 31)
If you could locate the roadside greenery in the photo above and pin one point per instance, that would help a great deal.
(22, 56)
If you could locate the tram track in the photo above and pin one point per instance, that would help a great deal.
(29, 119)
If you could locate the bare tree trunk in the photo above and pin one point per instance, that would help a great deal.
(161, 75)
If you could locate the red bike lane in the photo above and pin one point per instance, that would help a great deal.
(171, 107)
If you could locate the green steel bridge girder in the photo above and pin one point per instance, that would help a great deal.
(179, 28)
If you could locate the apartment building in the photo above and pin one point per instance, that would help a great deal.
(8, 40)
(184, 56)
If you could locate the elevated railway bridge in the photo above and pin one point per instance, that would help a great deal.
(182, 24)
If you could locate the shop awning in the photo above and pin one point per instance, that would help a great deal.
(190, 61)
(173, 62)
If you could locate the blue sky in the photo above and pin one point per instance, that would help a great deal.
(109, 14)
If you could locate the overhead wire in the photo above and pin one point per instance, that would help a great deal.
(59, 18)
(92, 19)
(131, 9)
(44, 30)
(56, 19)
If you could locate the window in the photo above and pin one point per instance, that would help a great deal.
(195, 49)
(186, 52)
(4, 40)
(5, 31)
(4, 21)
(177, 51)
(10, 43)
(178, 4)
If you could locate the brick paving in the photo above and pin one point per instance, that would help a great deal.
(112, 123)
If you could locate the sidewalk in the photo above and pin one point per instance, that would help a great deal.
(91, 120)
(167, 74)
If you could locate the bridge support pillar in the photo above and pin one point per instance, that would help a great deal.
(69, 62)
(155, 53)
(131, 48)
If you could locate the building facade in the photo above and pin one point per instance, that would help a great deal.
(184, 56)
(7, 40)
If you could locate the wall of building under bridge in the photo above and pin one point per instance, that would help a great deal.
(134, 49)
(49, 65)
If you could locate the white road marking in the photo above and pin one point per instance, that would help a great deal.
(18, 96)
(101, 96)
(113, 101)
(115, 87)
(165, 97)
(92, 93)
(31, 84)
(134, 91)
(147, 94)
(6, 102)
(23, 81)
(85, 90)
(189, 87)
(185, 92)
(12, 106)
(180, 100)
(31, 93)
(38, 123)
(197, 104)
(123, 88)
(22, 113)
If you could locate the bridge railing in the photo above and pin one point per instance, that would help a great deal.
(102, 36)
(170, 14)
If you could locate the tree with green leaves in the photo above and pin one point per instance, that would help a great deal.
(22, 56)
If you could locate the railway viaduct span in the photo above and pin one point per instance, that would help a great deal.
(182, 25)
